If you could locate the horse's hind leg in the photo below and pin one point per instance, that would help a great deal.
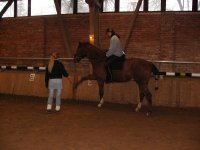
(144, 91)
(149, 99)
(141, 86)
(139, 105)
(101, 92)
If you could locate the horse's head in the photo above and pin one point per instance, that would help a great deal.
(81, 52)
(90, 51)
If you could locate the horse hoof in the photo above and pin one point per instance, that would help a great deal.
(148, 114)
(137, 109)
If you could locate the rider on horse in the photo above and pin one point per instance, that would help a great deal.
(114, 54)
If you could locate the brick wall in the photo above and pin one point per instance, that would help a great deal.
(156, 36)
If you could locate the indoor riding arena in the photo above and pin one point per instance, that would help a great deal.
(58, 92)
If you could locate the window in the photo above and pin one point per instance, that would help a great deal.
(10, 10)
(198, 5)
(67, 6)
(83, 7)
(108, 5)
(129, 5)
(178, 5)
(22, 8)
(154, 5)
(42, 7)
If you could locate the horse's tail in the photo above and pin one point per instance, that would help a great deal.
(155, 71)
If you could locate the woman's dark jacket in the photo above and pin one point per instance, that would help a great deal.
(57, 72)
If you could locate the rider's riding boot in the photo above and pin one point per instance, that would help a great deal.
(108, 75)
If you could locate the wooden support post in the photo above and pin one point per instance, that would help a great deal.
(133, 23)
(94, 6)
(67, 45)
(94, 25)
(64, 30)
(94, 22)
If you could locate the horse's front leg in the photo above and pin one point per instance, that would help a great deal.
(142, 94)
(101, 92)
(88, 77)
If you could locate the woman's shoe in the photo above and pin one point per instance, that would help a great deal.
(57, 108)
(49, 108)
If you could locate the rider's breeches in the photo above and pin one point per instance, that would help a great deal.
(111, 60)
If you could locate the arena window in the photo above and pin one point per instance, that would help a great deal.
(67, 6)
(198, 5)
(82, 7)
(22, 8)
(129, 5)
(47, 7)
(178, 5)
(42, 7)
(108, 5)
(154, 5)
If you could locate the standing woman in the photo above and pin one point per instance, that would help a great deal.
(53, 80)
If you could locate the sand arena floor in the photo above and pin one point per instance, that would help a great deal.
(25, 125)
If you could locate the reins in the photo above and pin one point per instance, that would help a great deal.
(99, 57)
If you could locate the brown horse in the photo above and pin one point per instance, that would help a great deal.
(135, 69)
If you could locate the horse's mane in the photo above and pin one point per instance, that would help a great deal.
(97, 51)
(92, 52)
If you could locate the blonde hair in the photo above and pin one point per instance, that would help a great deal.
(51, 61)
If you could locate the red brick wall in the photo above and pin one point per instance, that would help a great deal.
(156, 36)
(39, 36)
(159, 36)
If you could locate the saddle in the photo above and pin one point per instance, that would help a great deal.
(118, 64)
